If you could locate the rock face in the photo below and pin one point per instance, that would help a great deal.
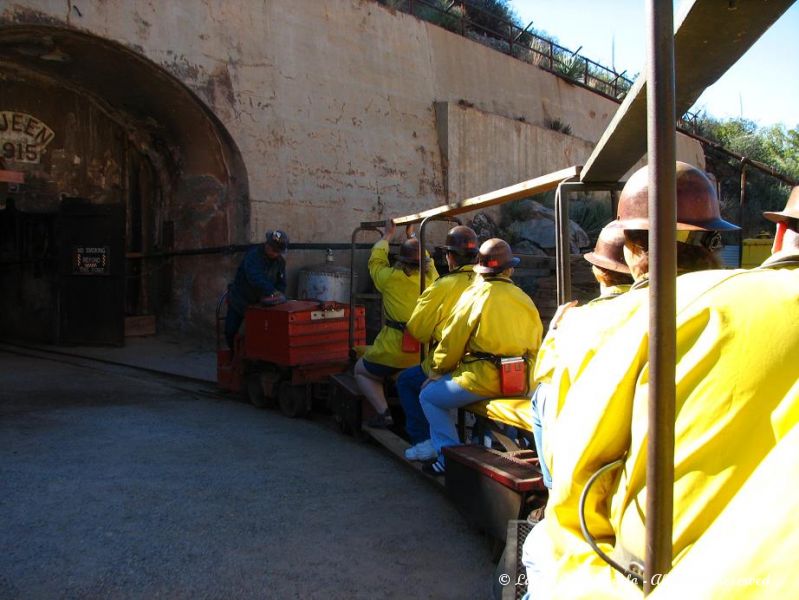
(531, 230)
(485, 227)
(537, 231)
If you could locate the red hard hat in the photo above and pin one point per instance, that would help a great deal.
(697, 202)
(494, 257)
(791, 210)
(462, 240)
(609, 250)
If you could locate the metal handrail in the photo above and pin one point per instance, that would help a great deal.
(365, 226)
(422, 271)
(422, 261)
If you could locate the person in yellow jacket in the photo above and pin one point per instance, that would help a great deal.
(613, 276)
(494, 322)
(426, 324)
(749, 551)
(737, 397)
(399, 286)
(697, 246)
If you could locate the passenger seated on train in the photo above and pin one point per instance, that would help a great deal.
(613, 276)
(763, 511)
(487, 349)
(261, 276)
(426, 324)
(736, 397)
(394, 349)
(585, 329)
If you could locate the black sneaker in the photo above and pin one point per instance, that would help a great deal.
(436, 469)
(381, 421)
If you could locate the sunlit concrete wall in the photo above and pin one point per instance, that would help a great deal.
(332, 103)
(342, 111)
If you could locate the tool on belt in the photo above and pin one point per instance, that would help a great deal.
(513, 379)
(409, 343)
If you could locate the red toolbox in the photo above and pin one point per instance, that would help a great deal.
(300, 332)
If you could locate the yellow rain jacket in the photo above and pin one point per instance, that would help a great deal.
(575, 324)
(434, 307)
(737, 395)
(566, 350)
(400, 292)
(495, 317)
(750, 550)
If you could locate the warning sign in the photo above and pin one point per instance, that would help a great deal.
(88, 260)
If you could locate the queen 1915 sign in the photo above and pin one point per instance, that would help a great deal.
(23, 137)
(90, 260)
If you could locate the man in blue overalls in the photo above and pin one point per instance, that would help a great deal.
(261, 277)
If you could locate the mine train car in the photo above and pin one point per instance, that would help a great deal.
(299, 355)
(287, 352)
(496, 483)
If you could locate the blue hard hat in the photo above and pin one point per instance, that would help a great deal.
(278, 240)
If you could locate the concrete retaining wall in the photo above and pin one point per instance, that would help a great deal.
(343, 110)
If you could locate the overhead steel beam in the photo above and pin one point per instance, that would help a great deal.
(514, 192)
(710, 37)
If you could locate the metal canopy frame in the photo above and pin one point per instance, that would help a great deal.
(711, 36)
(524, 189)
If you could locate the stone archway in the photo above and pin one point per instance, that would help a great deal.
(85, 117)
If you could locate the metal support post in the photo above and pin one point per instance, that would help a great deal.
(661, 142)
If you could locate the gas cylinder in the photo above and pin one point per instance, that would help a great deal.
(325, 282)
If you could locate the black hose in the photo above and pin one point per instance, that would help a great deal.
(636, 578)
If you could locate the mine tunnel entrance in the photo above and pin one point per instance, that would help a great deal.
(115, 172)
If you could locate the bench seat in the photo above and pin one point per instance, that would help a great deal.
(516, 412)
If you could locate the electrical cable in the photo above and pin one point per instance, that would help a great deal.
(636, 578)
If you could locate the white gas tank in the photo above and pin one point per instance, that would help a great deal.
(325, 282)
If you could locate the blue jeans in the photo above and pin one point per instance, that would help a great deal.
(539, 399)
(437, 400)
(409, 385)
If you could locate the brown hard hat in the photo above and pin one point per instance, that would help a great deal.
(609, 250)
(494, 257)
(409, 252)
(791, 210)
(697, 202)
(461, 240)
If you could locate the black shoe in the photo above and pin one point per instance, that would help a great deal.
(436, 469)
(381, 421)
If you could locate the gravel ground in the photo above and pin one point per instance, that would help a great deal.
(118, 484)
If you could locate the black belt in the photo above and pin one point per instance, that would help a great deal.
(398, 325)
(494, 359)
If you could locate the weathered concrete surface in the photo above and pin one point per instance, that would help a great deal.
(118, 485)
(487, 152)
(331, 102)
(329, 108)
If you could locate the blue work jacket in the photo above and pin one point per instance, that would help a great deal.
(257, 276)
